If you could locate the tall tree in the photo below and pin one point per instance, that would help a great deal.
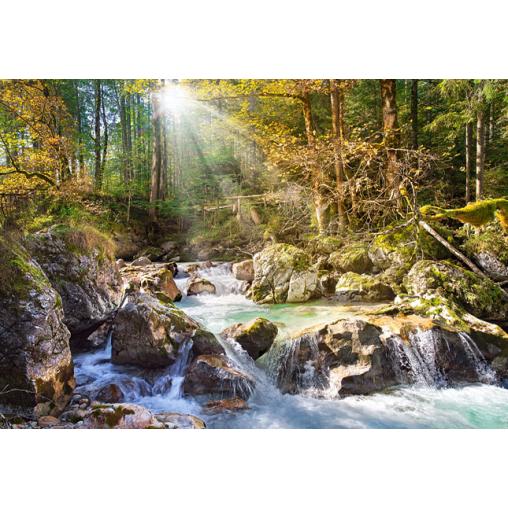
(469, 159)
(97, 140)
(414, 114)
(337, 107)
(320, 204)
(391, 134)
(156, 154)
(480, 151)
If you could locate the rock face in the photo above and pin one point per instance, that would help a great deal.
(351, 258)
(354, 287)
(80, 266)
(479, 296)
(149, 333)
(256, 336)
(215, 374)
(156, 279)
(198, 286)
(356, 356)
(283, 274)
(35, 359)
(244, 270)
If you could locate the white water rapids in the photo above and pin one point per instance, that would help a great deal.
(422, 405)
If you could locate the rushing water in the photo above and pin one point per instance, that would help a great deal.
(426, 404)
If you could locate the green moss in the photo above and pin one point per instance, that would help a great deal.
(324, 245)
(352, 258)
(477, 214)
(478, 295)
(18, 275)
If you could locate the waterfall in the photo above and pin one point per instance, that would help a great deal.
(295, 365)
(484, 371)
(171, 383)
(415, 360)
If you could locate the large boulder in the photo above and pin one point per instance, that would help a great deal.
(155, 278)
(400, 246)
(369, 288)
(477, 295)
(80, 265)
(283, 273)
(361, 356)
(351, 258)
(198, 286)
(255, 337)
(36, 366)
(244, 270)
(149, 333)
(323, 245)
(216, 374)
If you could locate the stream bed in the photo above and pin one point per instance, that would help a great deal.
(417, 406)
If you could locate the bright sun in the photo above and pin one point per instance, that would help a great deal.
(175, 99)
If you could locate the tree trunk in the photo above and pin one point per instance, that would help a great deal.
(316, 173)
(97, 140)
(391, 134)
(414, 114)
(469, 159)
(480, 152)
(81, 165)
(105, 137)
(156, 155)
(337, 106)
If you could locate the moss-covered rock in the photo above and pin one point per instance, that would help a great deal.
(403, 245)
(149, 333)
(35, 360)
(351, 258)
(283, 273)
(361, 287)
(80, 264)
(255, 337)
(322, 245)
(479, 296)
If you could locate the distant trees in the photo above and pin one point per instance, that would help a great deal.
(347, 144)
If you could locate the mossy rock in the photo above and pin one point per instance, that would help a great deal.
(323, 245)
(402, 246)
(477, 295)
(351, 258)
(19, 273)
(282, 271)
(360, 287)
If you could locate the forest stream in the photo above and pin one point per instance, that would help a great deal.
(425, 404)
